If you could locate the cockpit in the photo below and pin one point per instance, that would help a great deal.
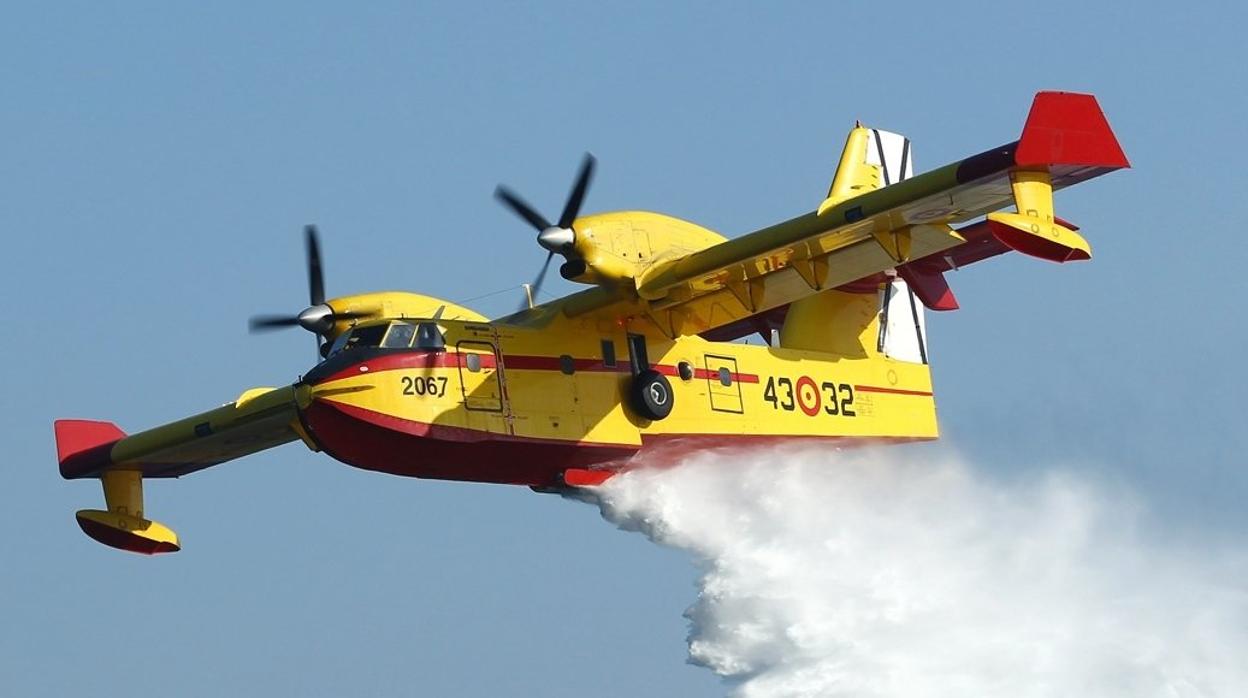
(396, 334)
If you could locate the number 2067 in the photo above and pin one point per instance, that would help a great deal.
(433, 386)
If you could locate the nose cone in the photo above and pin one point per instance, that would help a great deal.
(318, 318)
(556, 239)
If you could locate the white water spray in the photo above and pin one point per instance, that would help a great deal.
(899, 573)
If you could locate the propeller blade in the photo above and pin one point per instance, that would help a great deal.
(541, 275)
(316, 278)
(521, 207)
(573, 207)
(537, 282)
(318, 318)
(261, 323)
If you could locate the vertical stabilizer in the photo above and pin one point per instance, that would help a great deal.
(872, 159)
(903, 330)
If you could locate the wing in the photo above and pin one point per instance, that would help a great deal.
(908, 226)
(259, 419)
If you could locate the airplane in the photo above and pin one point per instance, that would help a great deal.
(649, 359)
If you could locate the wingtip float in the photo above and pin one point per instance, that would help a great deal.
(567, 393)
(84, 448)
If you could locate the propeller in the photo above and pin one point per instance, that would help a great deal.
(318, 317)
(558, 237)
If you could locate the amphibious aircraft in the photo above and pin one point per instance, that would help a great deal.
(647, 359)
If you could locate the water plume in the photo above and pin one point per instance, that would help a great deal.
(909, 572)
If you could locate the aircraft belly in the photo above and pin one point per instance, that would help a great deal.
(437, 420)
(376, 441)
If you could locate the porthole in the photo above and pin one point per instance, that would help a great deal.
(725, 376)
(473, 362)
(567, 366)
(685, 369)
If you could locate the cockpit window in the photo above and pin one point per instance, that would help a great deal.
(399, 336)
(429, 336)
(339, 343)
(362, 337)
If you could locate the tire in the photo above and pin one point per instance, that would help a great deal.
(650, 395)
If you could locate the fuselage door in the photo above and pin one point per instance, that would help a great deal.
(479, 377)
(722, 384)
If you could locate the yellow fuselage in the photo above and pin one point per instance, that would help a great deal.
(509, 403)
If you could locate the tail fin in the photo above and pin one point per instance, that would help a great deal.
(844, 323)
(871, 159)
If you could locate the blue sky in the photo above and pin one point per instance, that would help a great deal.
(159, 161)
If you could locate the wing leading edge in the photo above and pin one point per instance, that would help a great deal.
(908, 226)
(259, 419)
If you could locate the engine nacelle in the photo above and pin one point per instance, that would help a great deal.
(394, 304)
(615, 248)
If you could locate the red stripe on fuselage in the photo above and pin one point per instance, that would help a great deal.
(522, 362)
(891, 391)
(409, 360)
(519, 362)
(705, 374)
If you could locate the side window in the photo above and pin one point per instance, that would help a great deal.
(686, 370)
(608, 353)
(725, 376)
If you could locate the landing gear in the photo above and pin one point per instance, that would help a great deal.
(650, 395)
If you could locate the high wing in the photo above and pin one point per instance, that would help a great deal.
(908, 226)
(259, 419)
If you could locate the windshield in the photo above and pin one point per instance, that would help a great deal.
(400, 334)
(360, 338)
